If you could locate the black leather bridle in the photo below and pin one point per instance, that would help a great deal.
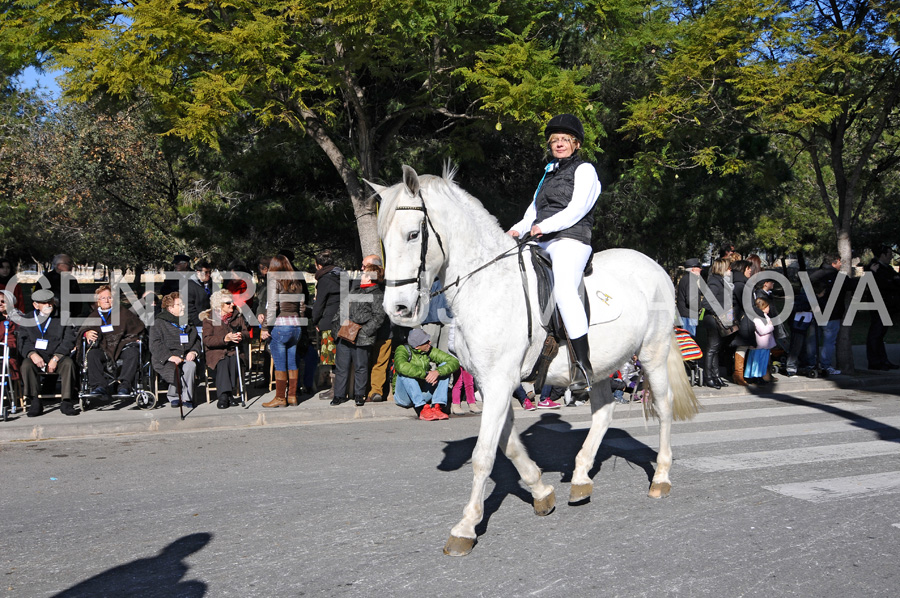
(426, 224)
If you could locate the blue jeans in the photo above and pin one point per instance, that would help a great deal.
(412, 392)
(283, 347)
(829, 340)
(690, 324)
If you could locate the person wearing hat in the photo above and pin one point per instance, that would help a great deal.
(559, 218)
(687, 296)
(46, 345)
(422, 374)
(181, 264)
(61, 273)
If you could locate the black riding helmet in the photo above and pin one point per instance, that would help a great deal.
(565, 123)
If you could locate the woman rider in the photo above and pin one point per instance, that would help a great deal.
(560, 219)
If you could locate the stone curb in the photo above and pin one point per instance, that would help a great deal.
(126, 421)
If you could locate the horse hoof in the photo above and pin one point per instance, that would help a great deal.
(659, 489)
(544, 506)
(580, 493)
(457, 546)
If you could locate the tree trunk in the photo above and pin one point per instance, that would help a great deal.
(844, 347)
(363, 204)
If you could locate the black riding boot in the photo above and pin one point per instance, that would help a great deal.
(582, 356)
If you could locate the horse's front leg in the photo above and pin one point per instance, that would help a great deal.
(543, 495)
(496, 406)
(602, 405)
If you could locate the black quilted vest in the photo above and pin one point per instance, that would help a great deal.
(555, 194)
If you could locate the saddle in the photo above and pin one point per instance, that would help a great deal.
(551, 320)
(543, 270)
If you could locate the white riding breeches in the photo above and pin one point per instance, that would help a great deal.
(569, 258)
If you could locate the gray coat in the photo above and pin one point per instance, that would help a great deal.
(370, 314)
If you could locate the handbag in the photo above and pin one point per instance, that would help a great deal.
(349, 331)
(722, 328)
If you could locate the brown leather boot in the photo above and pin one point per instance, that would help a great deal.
(280, 388)
(292, 388)
(738, 375)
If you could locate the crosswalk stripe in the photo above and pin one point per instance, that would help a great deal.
(794, 456)
(680, 439)
(714, 416)
(840, 488)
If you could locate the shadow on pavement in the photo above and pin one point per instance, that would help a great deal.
(160, 575)
(553, 449)
(884, 431)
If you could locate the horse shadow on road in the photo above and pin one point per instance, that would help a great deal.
(160, 575)
(553, 444)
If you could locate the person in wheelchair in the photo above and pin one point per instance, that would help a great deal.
(113, 336)
(173, 342)
(47, 347)
(224, 329)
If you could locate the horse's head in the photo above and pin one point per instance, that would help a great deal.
(413, 249)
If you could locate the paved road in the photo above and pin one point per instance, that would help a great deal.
(774, 495)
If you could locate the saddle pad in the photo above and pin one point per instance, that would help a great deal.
(690, 350)
(604, 307)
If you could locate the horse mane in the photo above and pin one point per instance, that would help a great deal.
(445, 189)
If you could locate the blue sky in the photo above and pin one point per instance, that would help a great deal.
(31, 78)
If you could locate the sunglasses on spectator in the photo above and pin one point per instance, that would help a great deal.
(227, 302)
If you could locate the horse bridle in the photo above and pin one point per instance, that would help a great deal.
(426, 224)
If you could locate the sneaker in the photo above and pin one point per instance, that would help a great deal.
(832, 372)
(474, 408)
(527, 405)
(426, 414)
(437, 412)
(548, 404)
(456, 409)
(360, 401)
(123, 391)
(376, 398)
(100, 391)
(188, 405)
(176, 404)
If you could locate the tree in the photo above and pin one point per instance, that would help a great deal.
(823, 77)
(350, 74)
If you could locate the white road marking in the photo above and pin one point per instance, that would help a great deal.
(715, 416)
(793, 456)
(743, 434)
(840, 488)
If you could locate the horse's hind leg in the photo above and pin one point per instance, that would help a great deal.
(658, 378)
(462, 536)
(602, 406)
(543, 495)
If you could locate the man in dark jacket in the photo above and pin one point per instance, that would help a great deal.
(327, 303)
(687, 296)
(888, 283)
(112, 336)
(47, 348)
(199, 290)
(825, 285)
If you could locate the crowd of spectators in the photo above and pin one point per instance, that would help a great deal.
(340, 345)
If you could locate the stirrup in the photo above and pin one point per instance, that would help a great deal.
(578, 386)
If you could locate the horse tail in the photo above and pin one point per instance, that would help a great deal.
(685, 405)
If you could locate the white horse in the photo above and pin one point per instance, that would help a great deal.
(431, 229)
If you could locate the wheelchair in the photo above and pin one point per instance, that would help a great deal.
(142, 392)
